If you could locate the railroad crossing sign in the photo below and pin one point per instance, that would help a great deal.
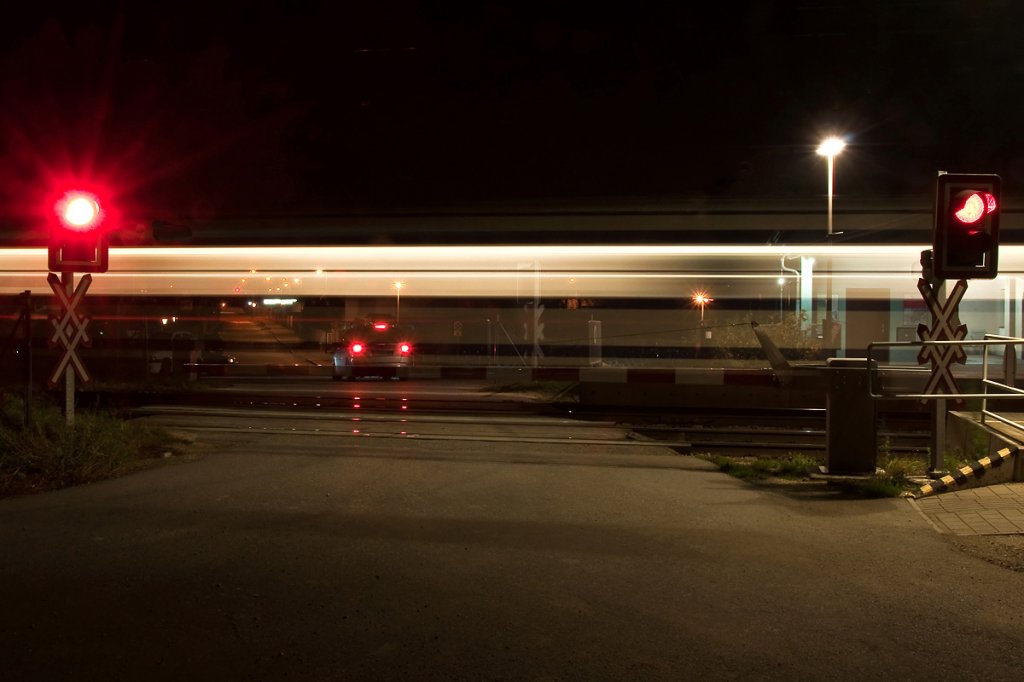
(941, 357)
(69, 328)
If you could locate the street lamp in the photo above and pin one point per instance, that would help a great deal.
(701, 299)
(829, 148)
(398, 300)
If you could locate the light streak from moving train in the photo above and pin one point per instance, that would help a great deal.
(656, 271)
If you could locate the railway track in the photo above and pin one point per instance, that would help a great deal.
(769, 433)
(762, 433)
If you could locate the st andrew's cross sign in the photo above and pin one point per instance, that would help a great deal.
(69, 328)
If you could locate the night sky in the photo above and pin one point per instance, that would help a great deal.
(273, 109)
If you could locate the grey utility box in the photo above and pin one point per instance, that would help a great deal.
(849, 418)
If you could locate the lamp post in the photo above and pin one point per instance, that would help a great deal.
(829, 148)
(782, 291)
(398, 300)
(701, 299)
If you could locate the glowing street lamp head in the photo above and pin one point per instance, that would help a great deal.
(701, 299)
(831, 146)
(79, 211)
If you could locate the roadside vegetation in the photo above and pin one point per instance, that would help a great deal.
(47, 455)
(793, 466)
(894, 477)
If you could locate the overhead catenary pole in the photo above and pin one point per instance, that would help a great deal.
(398, 301)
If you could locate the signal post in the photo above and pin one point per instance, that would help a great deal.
(965, 245)
(77, 243)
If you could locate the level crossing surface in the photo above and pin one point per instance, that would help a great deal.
(281, 554)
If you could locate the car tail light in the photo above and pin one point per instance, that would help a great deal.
(356, 348)
(404, 348)
(380, 326)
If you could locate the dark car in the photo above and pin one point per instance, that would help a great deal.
(378, 347)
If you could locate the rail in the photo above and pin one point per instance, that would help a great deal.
(991, 388)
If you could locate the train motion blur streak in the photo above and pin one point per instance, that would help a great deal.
(616, 271)
(471, 300)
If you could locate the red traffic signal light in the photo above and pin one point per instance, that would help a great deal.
(973, 206)
(79, 211)
(77, 242)
(966, 236)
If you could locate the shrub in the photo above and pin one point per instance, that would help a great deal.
(47, 454)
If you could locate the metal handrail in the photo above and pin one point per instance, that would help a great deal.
(873, 368)
(1009, 375)
(1009, 391)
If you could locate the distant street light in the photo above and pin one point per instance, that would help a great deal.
(398, 301)
(829, 148)
(701, 299)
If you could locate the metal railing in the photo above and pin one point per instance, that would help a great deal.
(991, 388)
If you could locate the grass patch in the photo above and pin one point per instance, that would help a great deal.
(954, 461)
(874, 486)
(901, 469)
(47, 455)
(795, 465)
(892, 481)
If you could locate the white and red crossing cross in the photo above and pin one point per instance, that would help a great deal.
(941, 357)
(69, 328)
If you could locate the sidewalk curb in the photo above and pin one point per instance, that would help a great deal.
(967, 474)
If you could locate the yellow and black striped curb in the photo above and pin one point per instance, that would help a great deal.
(965, 474)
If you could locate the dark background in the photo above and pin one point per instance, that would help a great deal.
(265, 109)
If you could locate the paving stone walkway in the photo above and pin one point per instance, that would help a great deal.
(987, 510)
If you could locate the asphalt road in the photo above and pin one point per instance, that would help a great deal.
(481, 548)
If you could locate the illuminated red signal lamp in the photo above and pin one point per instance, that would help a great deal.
(965, 240)
(404, 348)
(79, 211)
(77, 244)
(356, 348)
(975, 206)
